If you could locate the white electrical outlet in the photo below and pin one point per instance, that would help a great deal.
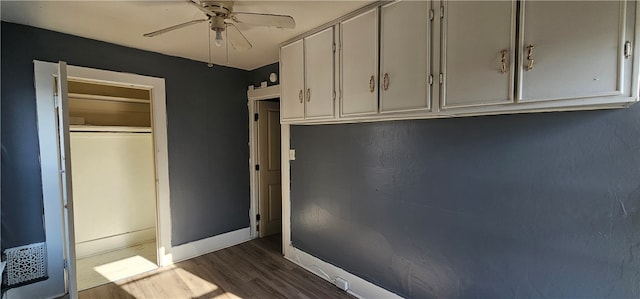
(292, 155)
(341, 283)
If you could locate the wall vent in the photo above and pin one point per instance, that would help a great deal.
(25, 263)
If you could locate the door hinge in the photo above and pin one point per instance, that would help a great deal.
(334, 47)
(442, 12)
(441, 78)
(431, 15)
(65, 264)
(257, 167)
(334, 95)
(255, 117)
(257, 217)
(430, 80)
(627, 49)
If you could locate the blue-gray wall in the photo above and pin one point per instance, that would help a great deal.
(540, 205)
(261, 74)
(207, 133)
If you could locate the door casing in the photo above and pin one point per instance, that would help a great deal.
(254, 95)
(45, 88)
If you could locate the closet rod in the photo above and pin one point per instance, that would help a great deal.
(83, 96)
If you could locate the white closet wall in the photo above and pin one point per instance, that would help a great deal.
(113, 189)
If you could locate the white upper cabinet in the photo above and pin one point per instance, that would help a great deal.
(307, 76)
(292, 78)
(319, 74)
(404, 57)
(359, 64)
(426, 59)
(477, 53)
(572, 49)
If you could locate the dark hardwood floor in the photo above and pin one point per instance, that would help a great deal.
(255, 269)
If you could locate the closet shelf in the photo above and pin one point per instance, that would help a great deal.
(106, 98)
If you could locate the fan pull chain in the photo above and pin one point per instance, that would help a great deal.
(226, 42)
(210, 64)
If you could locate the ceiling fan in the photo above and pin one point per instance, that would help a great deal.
(222, 18)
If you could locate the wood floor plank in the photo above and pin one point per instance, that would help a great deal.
(255, 269)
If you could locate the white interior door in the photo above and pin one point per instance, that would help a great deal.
(62, 102)
(270, 186)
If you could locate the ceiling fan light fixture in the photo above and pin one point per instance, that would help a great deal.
(218, 38)
(221, 17)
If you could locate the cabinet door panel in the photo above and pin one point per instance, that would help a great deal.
(292, 81)
(576, 49)
(359, 46)
(478, 37)
(404, 54)
(319, 74)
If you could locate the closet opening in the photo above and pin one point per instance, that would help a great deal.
(114, 181)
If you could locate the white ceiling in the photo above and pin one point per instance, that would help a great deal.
(124, 22)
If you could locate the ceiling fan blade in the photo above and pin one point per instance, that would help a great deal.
(237, 40)
(269, 20)
(174, 27)
(204, 10)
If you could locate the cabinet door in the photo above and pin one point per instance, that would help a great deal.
(571, 49)
(404, 53)
(292, 81)
(359, 49)
(319, 74)
(478, 44)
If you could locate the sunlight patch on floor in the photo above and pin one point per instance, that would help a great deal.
(172, 282)
(124, 268)
(111, 266)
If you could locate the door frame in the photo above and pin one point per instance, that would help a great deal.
(255, 95)
(54, 222)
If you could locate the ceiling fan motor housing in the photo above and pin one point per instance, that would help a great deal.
(217, 23)
(221, 8)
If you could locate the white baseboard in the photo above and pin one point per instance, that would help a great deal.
(204, 246)
(358, 287)
(92, 247)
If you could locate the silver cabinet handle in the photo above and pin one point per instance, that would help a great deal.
(372, 84)
(300, 96)
(503, 61)
(529, 57)
(385, 83)
(308, 94)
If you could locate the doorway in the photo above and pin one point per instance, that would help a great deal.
(113, 174)
(265, 163)
(58, 204)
